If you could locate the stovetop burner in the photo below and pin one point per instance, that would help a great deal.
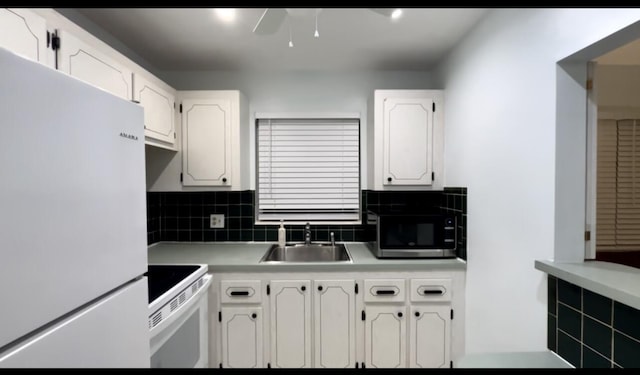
(161, 278)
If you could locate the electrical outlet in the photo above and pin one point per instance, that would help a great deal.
(216, 221)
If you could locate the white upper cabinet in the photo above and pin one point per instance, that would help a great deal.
(210, 123)
(88, 63)
(408, 139)
(407, 134)
(24, 33)
(158, 101)
(206, 130)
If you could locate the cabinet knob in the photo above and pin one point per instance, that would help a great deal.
(399, 315)
(389, 179)
(254, 315)
(224, 179)
(320, 287)
(303, 288)
(417, 314)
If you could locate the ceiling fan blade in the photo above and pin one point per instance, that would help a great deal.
(384, 11)
(270, 21)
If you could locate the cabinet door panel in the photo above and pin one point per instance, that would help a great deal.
(24, 33)
(407, 134)
(87, 63)
(291, 323)
(385, 336)
(159, 110)
(334, 323)
(429, 336)
(206, 137)
(242, 337)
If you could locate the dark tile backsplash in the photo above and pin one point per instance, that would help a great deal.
(455, 202)
(154, 215)
(184, 216)
(590, 330)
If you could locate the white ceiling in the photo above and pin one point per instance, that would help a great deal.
(350, 38)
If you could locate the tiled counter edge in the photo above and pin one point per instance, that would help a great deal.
(592, 313)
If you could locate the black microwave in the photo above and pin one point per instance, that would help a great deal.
(412, 235)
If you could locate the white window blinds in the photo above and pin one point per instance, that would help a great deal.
(308, 170)
(618, 185)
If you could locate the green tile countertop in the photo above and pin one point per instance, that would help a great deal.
(540, 359)
(245, 257)
(619, 282)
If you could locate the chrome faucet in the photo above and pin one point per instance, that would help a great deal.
(307, 234)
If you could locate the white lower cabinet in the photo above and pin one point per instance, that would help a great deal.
(385, 336)
(334, 323)
(242, 345)
(338, 320)
(241, 318)
(430, 336)
(290, 323)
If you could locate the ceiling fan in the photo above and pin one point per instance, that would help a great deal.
(273, 18)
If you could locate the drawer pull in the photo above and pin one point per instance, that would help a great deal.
(435, 291)
(240, 293)
(385, 292)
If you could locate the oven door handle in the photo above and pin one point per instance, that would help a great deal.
(176, 314)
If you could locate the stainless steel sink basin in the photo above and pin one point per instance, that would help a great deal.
(302, 253)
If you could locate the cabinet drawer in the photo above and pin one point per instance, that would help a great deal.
(430, 290)
(384, 290)
(240, 291)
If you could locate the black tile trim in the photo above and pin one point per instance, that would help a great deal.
(597, 305)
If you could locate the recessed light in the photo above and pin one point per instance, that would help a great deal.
(227, 15)
(396, 14)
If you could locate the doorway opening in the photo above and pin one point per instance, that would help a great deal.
(613, 157)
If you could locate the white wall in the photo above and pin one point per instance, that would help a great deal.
(299, 91)
(500, 142)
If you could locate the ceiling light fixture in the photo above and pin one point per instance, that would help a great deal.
(316, 34)
(227, 15)
(290, 37)
(396, 14)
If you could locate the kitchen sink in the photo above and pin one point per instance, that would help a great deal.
(302, 253)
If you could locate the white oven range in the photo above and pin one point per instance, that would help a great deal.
(178, 306)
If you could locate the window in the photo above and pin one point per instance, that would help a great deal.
(618, 186)
(308, 170)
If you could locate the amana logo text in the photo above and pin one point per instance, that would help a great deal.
(129, 136)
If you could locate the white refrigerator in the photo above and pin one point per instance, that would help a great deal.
(72, 222)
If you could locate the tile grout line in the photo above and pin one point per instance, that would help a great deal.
(555, 286)
(597, 352)
(613, 335)
(581, 327)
